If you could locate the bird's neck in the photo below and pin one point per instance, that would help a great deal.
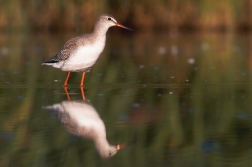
(100, 30)
(101, 143)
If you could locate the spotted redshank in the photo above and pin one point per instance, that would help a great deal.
(80, 53)
(80, 118)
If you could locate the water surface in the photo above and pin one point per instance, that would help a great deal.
(184, 99)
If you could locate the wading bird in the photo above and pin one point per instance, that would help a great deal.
(80, 53)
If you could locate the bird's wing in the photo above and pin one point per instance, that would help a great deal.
(66, 50)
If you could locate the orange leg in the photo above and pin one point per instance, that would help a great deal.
(67, 94)
(82, 79)
(67, 77)
(82, 93)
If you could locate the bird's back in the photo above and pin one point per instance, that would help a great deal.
(65, 52)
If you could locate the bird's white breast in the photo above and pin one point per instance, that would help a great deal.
(84, 57)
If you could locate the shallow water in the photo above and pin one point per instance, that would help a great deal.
(182, 100)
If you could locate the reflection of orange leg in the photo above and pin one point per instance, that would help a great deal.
(67, 77)
(67, 94)
(82, 79)
(82, 93)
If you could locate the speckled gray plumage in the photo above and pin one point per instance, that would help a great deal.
(69, 47)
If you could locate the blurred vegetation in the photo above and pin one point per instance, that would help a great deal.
(186, 98)
(74, 15)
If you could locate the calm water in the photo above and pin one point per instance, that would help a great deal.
(182, 100)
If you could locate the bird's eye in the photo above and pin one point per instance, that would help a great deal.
(110, 153)
(109, 18)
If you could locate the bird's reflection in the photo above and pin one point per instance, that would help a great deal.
(80, 118)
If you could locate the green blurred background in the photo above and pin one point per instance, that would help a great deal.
(146, 15)
(186, 97)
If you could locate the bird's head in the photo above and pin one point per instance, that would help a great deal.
(111, 150)
(111, 21)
